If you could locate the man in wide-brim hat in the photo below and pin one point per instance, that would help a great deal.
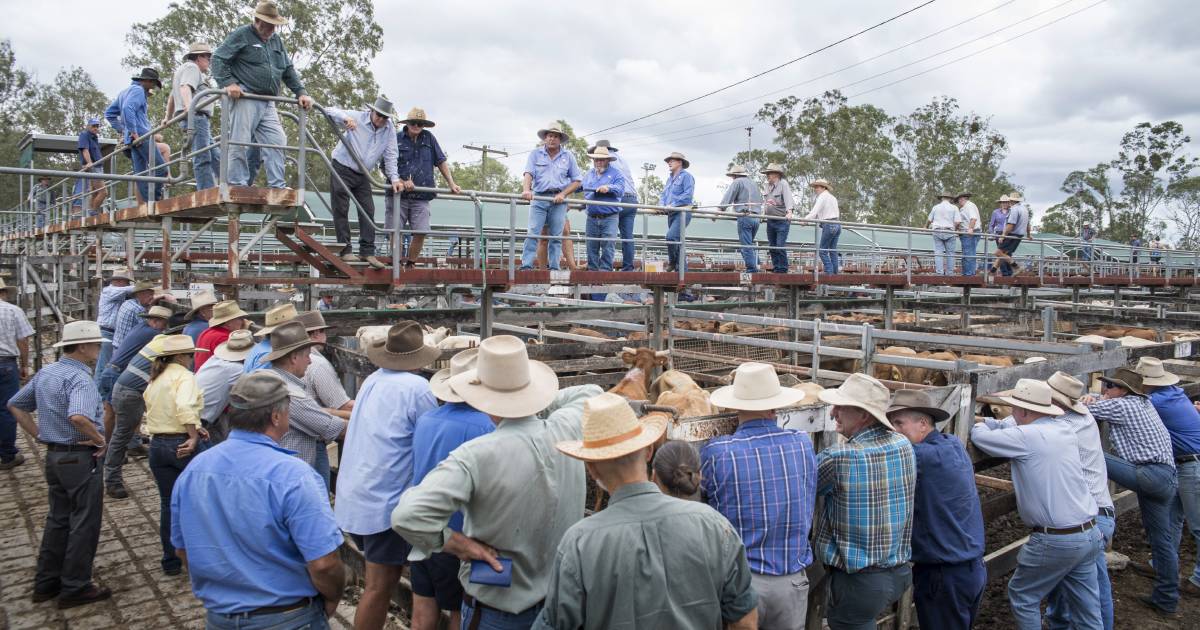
(216, 379)
(14, 339)
(947, 536)
(825, 209)
(275, 317)
(602, 183)
(969, 226)
(191, 77)
(227, 317)
(943, 220)
(643, 532)
(678, 192)
(550, 171)
(778, 205)
(321, 381)
(747, 202)
(866, 540)
(628, 215)
(420, 154)
(199, 314)
(128, 115)
(517, 493)
(785, 469)
(1016, 228)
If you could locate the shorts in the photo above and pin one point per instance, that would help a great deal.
(1010, 243)
(437, 577)
(414, 214)
(385, 547)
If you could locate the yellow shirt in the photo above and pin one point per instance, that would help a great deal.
(172, 401)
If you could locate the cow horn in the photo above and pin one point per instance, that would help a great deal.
(662, 353)
(629, 350)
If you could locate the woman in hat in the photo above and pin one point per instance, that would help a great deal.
(778, 209)
(173, 405)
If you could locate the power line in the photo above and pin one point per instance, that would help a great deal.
(769, 70)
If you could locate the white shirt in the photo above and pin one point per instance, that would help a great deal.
(13, 328)
(825, 208)
(966, 213)
(943, 216)
(216, 378)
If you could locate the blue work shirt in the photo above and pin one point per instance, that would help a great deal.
(416, 161)
(947, 520)
(377, 462)
(763, 478)
(195, 327)
(58, 391)
(678, 190)
(132, 344)
(256, 360)
(111, 299)
(127, 112)
(623, 167)
(1180, 417)
(251, 515)
(442, 430)
(617, 186)
(552, 173)
(370, 143)
(91, 143)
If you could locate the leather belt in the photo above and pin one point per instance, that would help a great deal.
(169, 436)
(552, 191)
(54, 446)
(1183, 459)
(1109, 512)
(8, 359)
(1077, 529)
(274, 610)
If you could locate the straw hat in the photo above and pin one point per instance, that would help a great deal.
(403, 349)
(916, 400)
(602, 143)
(1005, 198)
(200, 299)
(145, 285)
(773, 167)
(505, 382)
(178, 344)
(383, 107)
(313, 321)
(81, 331)
(1128, 379)
(821, 182)
(226, 311)
(287, 338)
(611, 429)
(157, 312)
(417, 115)
(1014, 197)
(257, 389)
(268, 12)
(755, 388)
(600, 153)
(197, 48)
(1032, 395)
(864, 392)
(553, 128)
(121, 273)
(1153, 373)
(459, 363)
(1066, 390)
(276, 316)
(737, 170)
(675, 155)
(237, 347)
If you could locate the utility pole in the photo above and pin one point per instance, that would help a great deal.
(485, 149)
(647, 167)
(749, 147)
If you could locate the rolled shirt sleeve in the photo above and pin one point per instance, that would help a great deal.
(189, 401)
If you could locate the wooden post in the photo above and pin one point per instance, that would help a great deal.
(165, 255)
(233, 257)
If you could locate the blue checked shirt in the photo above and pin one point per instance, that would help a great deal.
(1137, 433)
(763, 479)
(868, 484)
(127, 320)
(57, 392)
(111, 299)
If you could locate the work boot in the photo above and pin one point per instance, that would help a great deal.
(351, 258)
(1189, 588)
(17, 460)
(1143, 569)
(1148, 602)
(91, 595)
(375, 262)
(45, 596)
(116, 492)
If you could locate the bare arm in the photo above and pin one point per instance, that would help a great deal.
(23, 351)
(343, 413)
(444, 167)
(84, 425)
(749, 622)
(185, 98)
(328, 575)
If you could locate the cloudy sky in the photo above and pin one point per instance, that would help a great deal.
(496, 72)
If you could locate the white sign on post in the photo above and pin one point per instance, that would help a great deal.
(1183, 349)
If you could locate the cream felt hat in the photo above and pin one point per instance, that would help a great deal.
(755, 388)
(237, 347)
(201, 299)
(403, 348)
(156, 312)
(276, 316)
(1032, 395)
(824, 183)
(226, 311)
(1065, 391)
(675, 155)
(864, 392)
(737, 170)
(611, 429)
(1153, 372)
(773, 167)
(79, 332)
(439, 384)
(553, 128)
(178, 344)
(505, 382)
(600, 153)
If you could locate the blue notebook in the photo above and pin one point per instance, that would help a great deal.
(483, 573)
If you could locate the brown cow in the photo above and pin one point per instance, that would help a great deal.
(937, 378)
(985, 359)
(638, 335)
(588, 332)
(676, 389)
(885, 372)
(636, 384)
(1116, 332)
(728, 328)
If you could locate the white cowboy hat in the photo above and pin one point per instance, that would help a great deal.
(226, 311)
(505, 382)
(611, 429)
(1004, 198)
(1153, 372)
(1065, 391)
(1032, 395)
(178, 344)
(755, 388)
(157, 312)
(237, 347)
(864, 392)
(200, 299)
(121, 273)
(277, 316)
(773, 167)
(439, 384)
(79, 332)
(1014, 197)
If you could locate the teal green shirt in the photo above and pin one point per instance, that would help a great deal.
(649, 561)
(258, 66)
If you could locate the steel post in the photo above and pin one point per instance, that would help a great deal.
(794, 313)
(1048, 320)
(658, 317)
(165, 253)
(966, 315)
(487, 315)
(889, 308)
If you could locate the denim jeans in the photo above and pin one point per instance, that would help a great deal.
(856, 599)
(947, 596)
(141, 155)
(1189, 504)
(207, 165)
(777, 236)
(1156, 486)
(321, 463)
(255, 121)
(675, 223)
(600, 253)
(969, 261)
(1066, 562)
(106, 350)
(40, 219)
(943, 252)
(1086, 253)
(492, 619)
(166, 468)
(129, 407)
(550, 216)
(625, 225)
(311, 617)
(10, 382)
(827, 248)
(747, 227)
(1058, 615)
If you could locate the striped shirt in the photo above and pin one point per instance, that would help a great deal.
(1137, 433)
(763, 479)
(311, 426)
(111, 299)
(127, 318)
(13, 328)
(57, 392)
(322, 383)
(868, 484)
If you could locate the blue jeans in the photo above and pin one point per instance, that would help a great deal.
(142, 155)
(777, 236)
(1058, 617)
(1062, 562)
(600, 253)
(492, 619)
(675, 223)
(207, 165)
(321, 465)
(311, 617)
(255, 121)
(550, 216)
(108, 378)
(166, 468)
(856, 599)
(947, 596)
(827, 248)
(747, 227)
(969, 245)
(106, 350)
(40, 219)
(943, 253)
(1086, 253)
(625, 225)
(10, 382)
(1189, 504)
(1156, 486)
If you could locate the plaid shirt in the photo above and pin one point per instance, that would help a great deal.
(1137, 433)
(311, 426)
(763, 479)
(868, 484)
(111, 299)
(127, 320)
(322, 383)
(57, 392)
